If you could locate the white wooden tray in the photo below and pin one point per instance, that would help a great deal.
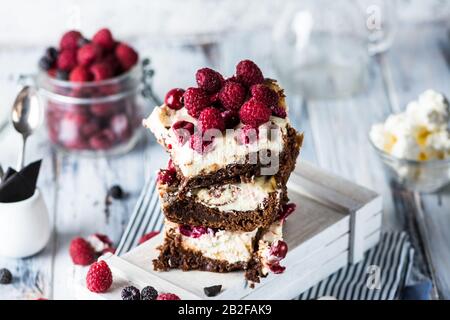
(336, 221)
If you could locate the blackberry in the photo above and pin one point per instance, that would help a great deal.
(45, 63)
(51, 53)
(212, 291)
(5, 276)
(62, 75)
(131, 293)
(149, 293)
(116, 192)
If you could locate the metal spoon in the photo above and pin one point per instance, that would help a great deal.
(26, 117)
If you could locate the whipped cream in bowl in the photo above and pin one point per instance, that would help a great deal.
(415, 145)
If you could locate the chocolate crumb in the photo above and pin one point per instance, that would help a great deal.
(213, 290)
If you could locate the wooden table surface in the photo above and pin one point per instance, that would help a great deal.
(336, 139)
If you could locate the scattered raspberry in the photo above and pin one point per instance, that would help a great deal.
(67, 60)
(195, 100)
(99, 277)
(88, 54)
(148, 236)
(231, 118)
(80, 74)
(101, 71)
(265, 95)
(210, 118)
(247, 135)
(232, 95)
(149, 293)
(130, 293)
(104, 39)
(167, 296)
(81, 252)
(183, 130)
(5, 276)
(254, 113)
(279, 112)
(70, 40)
(200, 144)
(100, 243)
(174, 99)
(126, 55)
(248, 73)
(209, 80)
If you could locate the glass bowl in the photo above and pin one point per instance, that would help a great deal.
(93, 118)
(419, 176)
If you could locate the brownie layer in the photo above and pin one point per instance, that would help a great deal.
(186, 210)
(174, 256)
(292, 142)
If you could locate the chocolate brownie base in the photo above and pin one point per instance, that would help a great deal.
(288, 157)
(186, 210)
(174, 256)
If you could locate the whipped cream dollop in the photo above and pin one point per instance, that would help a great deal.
(243, 196)
(420, 133)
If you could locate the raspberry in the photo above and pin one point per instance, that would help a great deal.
(104, 39)
(248, 73)
(99, 277)
(130, 293)
(278, 249)
(279, 112)
(148, 236)
(195, 100)
(5, 276)
(264, 94)
(210, 118)
(232, 95)
(101, 71)
(149, 293)
(166, 177)
(209, 80)
(192, 231)
(88, 54)
(276, 268)
(81, 252)
(167, 296)
(286, 211)
(174, 99)
(183, 130)
(126, 55)
(67, 60)
(70, 40)
(80, 74)
(247, 135)
(254, 113)
(100, 243)
(231, 118)
(200, 145)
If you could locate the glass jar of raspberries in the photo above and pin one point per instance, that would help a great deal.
(91, 91)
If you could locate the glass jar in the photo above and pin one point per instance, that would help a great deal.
(93, 118)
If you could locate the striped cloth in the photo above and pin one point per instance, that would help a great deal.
(391, 259)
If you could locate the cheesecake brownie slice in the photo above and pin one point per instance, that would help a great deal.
(241, 206)
(270, 148)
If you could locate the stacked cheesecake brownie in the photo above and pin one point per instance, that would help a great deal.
(223, 193)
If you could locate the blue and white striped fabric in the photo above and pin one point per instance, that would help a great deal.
(393, 256)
